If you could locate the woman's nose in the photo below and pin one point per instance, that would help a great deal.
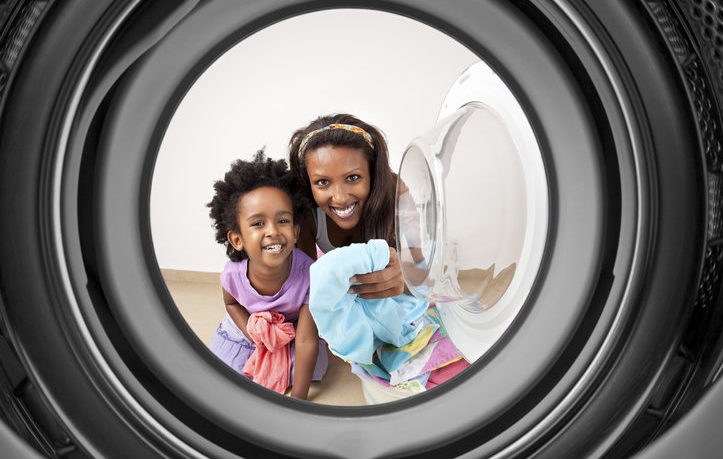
(338, 193)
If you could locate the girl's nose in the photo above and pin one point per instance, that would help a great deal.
(271, 229)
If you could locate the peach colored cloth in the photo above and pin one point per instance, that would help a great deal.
(270, 363)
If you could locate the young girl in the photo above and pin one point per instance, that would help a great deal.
(254, 210)
(342, 164)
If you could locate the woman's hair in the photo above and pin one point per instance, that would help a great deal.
(377, 219)
(245, 176)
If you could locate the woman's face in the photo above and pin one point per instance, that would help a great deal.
(340, 182)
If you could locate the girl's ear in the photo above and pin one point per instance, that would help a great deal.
(297, 230)
(235, 240)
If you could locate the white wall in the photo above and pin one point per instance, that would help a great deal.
(388, 70)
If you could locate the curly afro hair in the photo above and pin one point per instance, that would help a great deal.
(245, 176)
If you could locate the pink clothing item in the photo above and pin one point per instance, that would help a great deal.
(441, 375)
(270, 363)
(443, 352)
(287, 301)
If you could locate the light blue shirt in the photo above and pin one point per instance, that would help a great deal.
(354, 327)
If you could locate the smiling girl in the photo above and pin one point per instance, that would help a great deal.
(254, 211)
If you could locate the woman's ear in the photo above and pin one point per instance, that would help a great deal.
(235, 240)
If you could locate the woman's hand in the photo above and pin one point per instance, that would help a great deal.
(380, 284)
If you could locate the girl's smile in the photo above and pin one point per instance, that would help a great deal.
(340, 182)
(266, 228)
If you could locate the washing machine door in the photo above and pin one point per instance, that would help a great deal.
(472, 211)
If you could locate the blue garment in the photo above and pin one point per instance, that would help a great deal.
(354, 327)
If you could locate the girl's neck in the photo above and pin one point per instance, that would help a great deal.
(267, 281)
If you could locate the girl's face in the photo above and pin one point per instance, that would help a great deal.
(340, 182)
(266, 222)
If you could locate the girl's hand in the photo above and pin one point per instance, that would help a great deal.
(380, 284)
(238, 313)
(307, 351)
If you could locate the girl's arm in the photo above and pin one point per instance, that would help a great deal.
(307, 350)
(238, 313)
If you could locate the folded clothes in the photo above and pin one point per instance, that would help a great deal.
(445, 373)
(391, 357)
(360, 371)
(354, 327)
(270, 363)
(430, 350)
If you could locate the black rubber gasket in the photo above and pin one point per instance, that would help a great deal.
(625, 243)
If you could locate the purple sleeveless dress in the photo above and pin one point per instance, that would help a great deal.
(229, 343)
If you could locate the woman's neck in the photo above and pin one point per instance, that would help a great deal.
(340, 237)
(266, 280)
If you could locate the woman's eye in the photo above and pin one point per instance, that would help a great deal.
(322, 182)
(353, 178)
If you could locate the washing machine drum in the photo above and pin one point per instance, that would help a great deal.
(571, 236)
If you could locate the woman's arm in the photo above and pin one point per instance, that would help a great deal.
(385, 283)
(238, 313)
(307, 350)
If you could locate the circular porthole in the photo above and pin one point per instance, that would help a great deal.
(608, 324)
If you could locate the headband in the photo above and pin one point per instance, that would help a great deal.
(346, 127)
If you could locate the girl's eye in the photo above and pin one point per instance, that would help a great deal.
(353, 178)
(285, 220)
(257, 223)
(322, 182)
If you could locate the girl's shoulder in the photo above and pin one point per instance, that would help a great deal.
(301, 261)
(234, 267)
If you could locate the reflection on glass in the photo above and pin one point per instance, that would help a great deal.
(416, 220)
(459, 220)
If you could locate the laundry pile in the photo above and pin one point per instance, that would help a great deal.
(397, 342)
(429, 359)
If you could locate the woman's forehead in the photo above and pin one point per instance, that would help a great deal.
(335, 160)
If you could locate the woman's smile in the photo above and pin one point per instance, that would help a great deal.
(346, 211)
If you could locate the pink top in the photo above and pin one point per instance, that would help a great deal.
(287, 301)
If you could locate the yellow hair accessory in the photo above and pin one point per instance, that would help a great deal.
(347, 127)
